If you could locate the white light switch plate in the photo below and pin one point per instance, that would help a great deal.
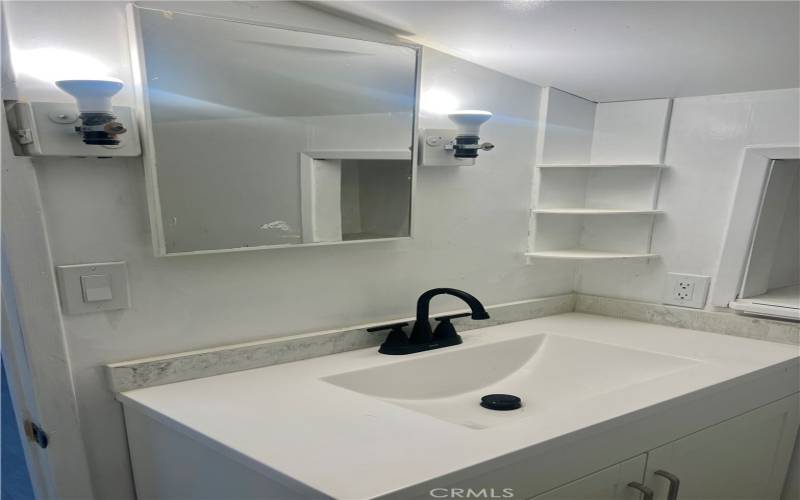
(88, 288)
(687, 290)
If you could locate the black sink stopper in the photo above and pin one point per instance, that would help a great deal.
(501, 402)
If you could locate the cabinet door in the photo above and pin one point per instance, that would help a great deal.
(607, 484)
(744, 458)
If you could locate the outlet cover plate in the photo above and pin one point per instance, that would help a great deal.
(687, 290)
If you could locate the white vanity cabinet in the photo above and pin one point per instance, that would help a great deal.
(743, 458)
(718, 412)
(608, 484)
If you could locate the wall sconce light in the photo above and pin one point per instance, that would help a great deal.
(99, 125)
(469, 124)
(48, 128)
(456, 147)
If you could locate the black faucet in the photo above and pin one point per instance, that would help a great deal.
(422, 337)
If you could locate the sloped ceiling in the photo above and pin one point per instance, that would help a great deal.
(611, 51)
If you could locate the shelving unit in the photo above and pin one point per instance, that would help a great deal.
(594, 211)
(587, 206)
(601, 165)
(583, 254)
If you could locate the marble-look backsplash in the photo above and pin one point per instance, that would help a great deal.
(169, 368)
(728, 323)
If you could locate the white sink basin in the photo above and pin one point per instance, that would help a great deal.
(546, 371)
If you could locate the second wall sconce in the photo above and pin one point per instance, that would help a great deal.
(447, 147)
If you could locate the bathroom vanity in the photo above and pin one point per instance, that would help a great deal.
(611, 409)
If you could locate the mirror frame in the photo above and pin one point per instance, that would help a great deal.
(148, 141)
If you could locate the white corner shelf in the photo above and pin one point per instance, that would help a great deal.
(358, 154)
(595, 211)
(583, 254)
(601, 165)
(608, 162)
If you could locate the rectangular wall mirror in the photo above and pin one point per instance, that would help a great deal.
(263, 137)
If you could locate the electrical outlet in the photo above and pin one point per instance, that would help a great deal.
(688, 290)
(683, 290)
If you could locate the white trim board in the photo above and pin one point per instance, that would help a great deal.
(23, 400)
(32, 310)
(753, 175)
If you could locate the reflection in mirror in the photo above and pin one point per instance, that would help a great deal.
(271, 137)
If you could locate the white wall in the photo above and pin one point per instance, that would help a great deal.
(471, 230)
(704, 151)
(630, 131)
(569, 123)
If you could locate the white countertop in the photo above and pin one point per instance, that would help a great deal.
(347, 445)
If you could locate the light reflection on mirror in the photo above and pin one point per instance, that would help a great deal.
(438, 101)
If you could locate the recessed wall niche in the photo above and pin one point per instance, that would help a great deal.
(771, 284)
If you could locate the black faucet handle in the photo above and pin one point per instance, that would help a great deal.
(446, 330)
(393, 327)
(453, 316)
(397, 336)
(397, 340)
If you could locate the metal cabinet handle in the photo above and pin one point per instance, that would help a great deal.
(647, 493)
(674, 483)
